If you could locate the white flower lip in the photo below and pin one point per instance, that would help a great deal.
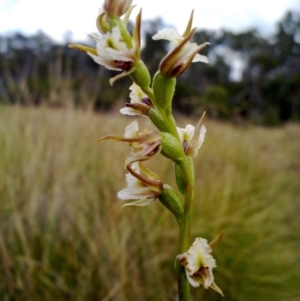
(132, 130)
(170, 34)
(186, 134)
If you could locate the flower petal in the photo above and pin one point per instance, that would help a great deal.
(170, 34)
(140, 203)
(131, 130)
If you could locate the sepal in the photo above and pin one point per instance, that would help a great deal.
(83, 48)
(102, 23)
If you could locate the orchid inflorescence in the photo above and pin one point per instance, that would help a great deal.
(117, 49)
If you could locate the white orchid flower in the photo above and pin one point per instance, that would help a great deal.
(172, 35)
(142, 185)
(112, 52)
(115, 48)
(199, 263)
(183, 52)
(139, 104)
(143, 145)
(192, 138)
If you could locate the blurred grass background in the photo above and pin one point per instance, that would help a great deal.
(64, 236)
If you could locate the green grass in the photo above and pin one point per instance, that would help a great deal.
(64, 236)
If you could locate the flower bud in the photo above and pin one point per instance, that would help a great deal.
(116, 8)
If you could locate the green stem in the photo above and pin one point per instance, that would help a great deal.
(185, 227)
(172, 123)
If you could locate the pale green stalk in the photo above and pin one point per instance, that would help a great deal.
(185, 227)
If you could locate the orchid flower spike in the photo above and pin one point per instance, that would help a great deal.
(142, 185)
(183, 52)
(199, 263)
(143, 145)
(192, 138)
(140, 103)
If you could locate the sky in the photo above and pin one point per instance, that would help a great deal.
(56, 17)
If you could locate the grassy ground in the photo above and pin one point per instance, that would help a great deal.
(63, 235)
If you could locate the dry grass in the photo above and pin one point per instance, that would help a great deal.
(63, 235)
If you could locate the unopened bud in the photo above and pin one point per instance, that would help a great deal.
(116, 8)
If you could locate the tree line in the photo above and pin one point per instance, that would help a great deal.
(249, 77)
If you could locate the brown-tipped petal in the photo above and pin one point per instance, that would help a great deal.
(136, 35)
(169, 61)
(216, 240)
(187, 64)
(144, 155)
(189, 25)
(140, 203)
(83, 48)
(216, 288)
(116, 8)
(133, 159)
(111, 137)
(140, 138)
(203, 45)
(146, 171)
(197, 129)
(200, 122)
(102, 24)
(121, 75)
(155, 185)
(127, 14)
(138, 108)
